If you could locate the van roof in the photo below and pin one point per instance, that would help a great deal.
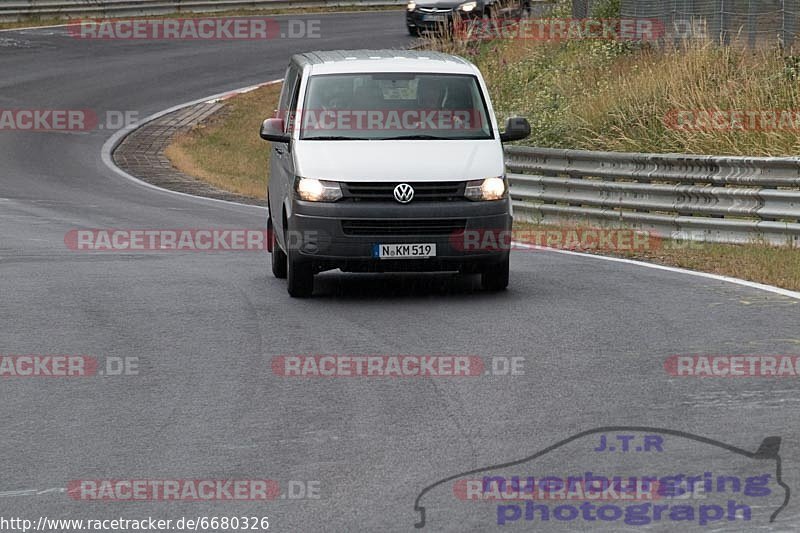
(352, 61)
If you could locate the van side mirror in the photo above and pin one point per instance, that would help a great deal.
(272, 130)
(517, 128)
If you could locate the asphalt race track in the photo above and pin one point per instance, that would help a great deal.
(205, 403)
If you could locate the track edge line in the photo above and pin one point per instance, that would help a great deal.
(115, 140)
(708, 275)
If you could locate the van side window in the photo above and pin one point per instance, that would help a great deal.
(295, 94)
(289, 83)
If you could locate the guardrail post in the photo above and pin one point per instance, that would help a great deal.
(724, 33)
(789, 22)
(751, 24)
(580, 9)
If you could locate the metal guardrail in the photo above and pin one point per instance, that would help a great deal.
(19, 10)
(715, 199)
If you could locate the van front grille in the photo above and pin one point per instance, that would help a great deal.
(400, 228)
(435, 191)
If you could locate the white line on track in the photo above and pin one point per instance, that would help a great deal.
(717, 277)
(30, 492)
(114, 141)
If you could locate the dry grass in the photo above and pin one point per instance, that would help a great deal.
(778, 266)
(630, 114)
(602, 95)
(227, 152)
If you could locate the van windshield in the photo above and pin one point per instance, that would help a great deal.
(387, 106)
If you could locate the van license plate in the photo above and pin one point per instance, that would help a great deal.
(403, 251)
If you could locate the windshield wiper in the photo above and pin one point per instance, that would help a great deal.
(335, 138)
(400, 138)
(416, 137)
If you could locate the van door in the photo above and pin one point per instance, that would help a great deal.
(281, 163)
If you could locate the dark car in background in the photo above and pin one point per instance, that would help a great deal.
(437, 15)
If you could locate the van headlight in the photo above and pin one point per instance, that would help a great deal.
(486, 189)
(312, 190)
(466, 7)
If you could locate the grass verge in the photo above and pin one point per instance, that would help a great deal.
(760, 263)
(227, 151)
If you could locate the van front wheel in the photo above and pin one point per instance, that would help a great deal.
(300, 279)
(495, 277)
(278, 257)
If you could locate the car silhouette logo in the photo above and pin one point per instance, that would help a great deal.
(768, 451)
(404, 193)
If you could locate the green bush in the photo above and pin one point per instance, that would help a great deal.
(606, 9)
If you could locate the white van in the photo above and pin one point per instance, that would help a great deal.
(382, 161)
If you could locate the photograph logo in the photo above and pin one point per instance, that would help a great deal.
(624, 475)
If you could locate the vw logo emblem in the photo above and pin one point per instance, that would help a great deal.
(404, 193)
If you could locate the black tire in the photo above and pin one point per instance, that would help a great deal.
(495, 278)
(279, 267)
(300, 279)
(413, 31)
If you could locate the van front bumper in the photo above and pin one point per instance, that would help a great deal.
(344, 234)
